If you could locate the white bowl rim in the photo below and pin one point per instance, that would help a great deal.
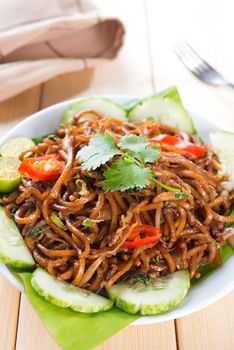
(180, 311)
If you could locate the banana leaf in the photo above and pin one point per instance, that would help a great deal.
(73, 330)
(225, 253)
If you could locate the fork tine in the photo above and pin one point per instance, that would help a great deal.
(198, 66)
(185, 59)
(193, 54)
(191, 59)
(189, 55)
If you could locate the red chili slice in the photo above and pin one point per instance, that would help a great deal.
(42, 168)
(174, 144)
(151, 233)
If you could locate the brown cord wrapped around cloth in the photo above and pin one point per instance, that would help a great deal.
(41, 39)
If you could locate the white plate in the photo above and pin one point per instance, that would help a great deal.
(207, 292)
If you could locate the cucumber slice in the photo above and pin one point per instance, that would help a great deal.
(66, 295)
(223, 144)
(13, 250)
(166, 108)
(106, 107)
(9, 176)
(14, 147)
(158, 296)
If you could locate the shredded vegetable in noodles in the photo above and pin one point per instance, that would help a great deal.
(92, 237)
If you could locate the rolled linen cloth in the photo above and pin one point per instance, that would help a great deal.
(42, 39)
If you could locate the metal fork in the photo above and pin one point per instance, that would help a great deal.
(199, 67)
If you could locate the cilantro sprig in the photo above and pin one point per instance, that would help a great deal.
(123, 175)
(138, 147)
(100, 149)
(129, 171)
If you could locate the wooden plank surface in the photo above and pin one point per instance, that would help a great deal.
(14, 110)
(9, 309)
(160, 336)
(209, 329)
(32, 335)
(146, 63)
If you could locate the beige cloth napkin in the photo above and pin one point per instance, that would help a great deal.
(45, 38)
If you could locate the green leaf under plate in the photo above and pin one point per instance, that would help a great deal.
(72, 330)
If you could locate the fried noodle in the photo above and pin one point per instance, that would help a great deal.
(192, 229)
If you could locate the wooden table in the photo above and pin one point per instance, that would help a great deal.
(145, 64)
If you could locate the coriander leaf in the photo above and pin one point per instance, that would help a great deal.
(140, 278)
(129, 159)
(36, 230)
(88, 222)
(149, 155)
(100, 149)
(134, 143)
(138, 147)
(181, 195)
(38, 139)
(33, 232)
(122, 176)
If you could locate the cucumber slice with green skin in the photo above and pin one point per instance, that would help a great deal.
(166, 108)
(65, 295)
(102, 105)
(15, 146)
(158, 296)
(13, 250)
(9, 176)
(223, 145)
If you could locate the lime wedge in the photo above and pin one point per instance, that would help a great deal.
(14, 147)
(9, 175)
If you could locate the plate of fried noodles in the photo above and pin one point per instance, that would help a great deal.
(121, 201)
